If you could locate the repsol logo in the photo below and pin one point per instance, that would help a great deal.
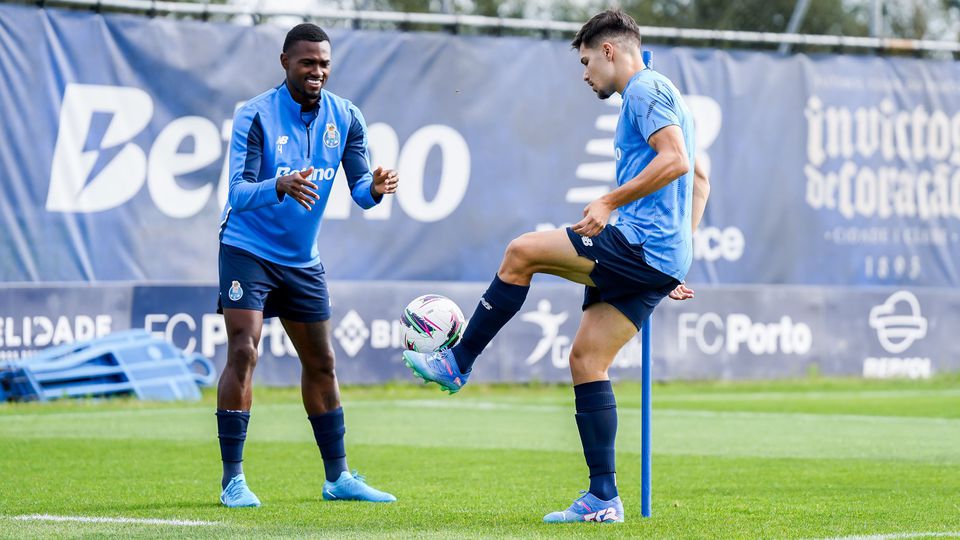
(710, 334)
(105, 154)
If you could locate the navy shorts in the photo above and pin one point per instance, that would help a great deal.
(622, 276)
(251, 282)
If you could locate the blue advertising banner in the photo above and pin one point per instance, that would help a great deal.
(756, 332)
(826, 170)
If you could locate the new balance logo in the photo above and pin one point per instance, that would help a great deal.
(587, 241)
(485, 304)
(607, 514)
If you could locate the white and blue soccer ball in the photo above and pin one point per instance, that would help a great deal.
(431, 323)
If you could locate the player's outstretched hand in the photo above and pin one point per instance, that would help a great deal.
(595, 217)
(682, 292)
(385, 181)
(297, 186)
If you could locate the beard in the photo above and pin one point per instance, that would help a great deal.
(309, 93)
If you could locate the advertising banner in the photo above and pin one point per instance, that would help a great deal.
(826, 170)
(727, 333)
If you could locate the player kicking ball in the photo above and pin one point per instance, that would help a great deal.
(287, 144)
(627, 267)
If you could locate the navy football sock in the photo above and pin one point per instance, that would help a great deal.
(232, 432)
(328, 430)
(497, 306)
(597, 422)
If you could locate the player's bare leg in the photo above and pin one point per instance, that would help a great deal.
(321, 399)
(235, 389)
(603, 331)
(318, 380)
(234, 399)
(544, 252)
(548, 252)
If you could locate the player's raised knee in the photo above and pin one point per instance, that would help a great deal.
(521, 253)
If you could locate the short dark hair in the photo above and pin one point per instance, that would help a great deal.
(612, 23)
(304, 32)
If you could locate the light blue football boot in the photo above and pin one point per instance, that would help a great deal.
(238, 495)
(439, 367)
(353, 487)
(588, 507)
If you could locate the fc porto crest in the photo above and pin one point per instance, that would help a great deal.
(236, 292)
(331, 137)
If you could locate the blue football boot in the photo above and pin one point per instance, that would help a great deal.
(353, 487)
(238, 495)
(587, 507)
(439, 367)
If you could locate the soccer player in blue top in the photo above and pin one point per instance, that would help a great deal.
(287, 145)
(627, 267)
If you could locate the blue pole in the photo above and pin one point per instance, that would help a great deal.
(646, 467)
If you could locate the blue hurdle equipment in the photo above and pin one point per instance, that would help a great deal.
(131, 362)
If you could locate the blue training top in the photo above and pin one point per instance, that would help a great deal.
(661, 220)
(272, 137)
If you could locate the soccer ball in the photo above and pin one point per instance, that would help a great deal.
(431, 323)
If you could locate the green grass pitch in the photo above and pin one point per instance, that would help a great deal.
(817, 458)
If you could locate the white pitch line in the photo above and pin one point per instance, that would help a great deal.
(897, 536)
(94, 519)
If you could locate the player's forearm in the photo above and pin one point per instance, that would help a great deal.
(663, 169)
(356, 167)
(244, 195)
(701, 192)
(699, 204)
(361, 190)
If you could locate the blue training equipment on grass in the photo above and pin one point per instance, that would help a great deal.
(646, 466)
(131, 362)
